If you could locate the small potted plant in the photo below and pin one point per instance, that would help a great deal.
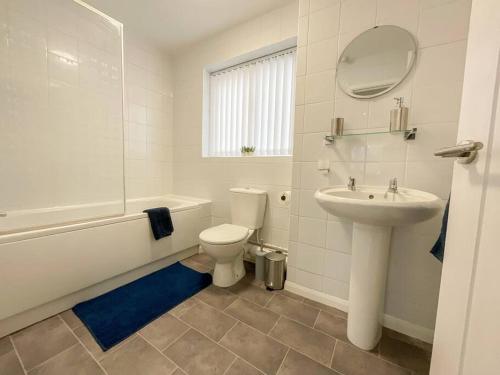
(247, 150)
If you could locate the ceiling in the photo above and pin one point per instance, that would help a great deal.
(173, 24)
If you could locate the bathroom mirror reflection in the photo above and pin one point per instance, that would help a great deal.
(376, 61)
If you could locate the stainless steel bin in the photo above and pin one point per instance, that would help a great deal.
(275, 266)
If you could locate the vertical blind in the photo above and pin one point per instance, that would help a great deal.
(251, 105)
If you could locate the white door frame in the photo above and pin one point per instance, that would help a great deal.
(454, 335)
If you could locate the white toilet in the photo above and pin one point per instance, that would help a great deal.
(224, 243)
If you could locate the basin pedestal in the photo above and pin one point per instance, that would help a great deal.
(369, 262)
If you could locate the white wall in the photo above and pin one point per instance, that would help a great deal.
(60, 106)
(148, 118)
(212, 177)
(320, 244)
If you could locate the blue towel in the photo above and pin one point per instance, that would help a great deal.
(161, 222)
(438, 248)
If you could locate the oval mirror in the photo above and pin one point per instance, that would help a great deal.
(376, 61)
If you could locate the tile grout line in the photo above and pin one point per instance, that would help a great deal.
(283, 360)
(17, 355)
(296, 349)
(41, 364)
(230, 329)
(221, 346)
(230, 365)
(333, 354)
(177, 339)
(157, 349)
(316, 319)
(83, 345)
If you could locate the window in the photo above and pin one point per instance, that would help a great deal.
(251, 104)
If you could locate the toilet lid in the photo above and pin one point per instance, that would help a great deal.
(224, 234)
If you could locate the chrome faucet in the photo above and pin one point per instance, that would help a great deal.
(351, 184)
(393, 185)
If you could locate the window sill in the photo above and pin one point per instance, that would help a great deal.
(253, 158)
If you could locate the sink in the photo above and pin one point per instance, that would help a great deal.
(374, 211)
(375, 205)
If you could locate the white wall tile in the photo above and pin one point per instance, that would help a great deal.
(310, 258)
(380, 173)
(309, 280)
(309, 207)
(339, 236)
(319, 87)
(402, 13)
(324, 23)
(357, 15)
(312, 231)
(431, 176)
(298, 126)
(322, 55)
(444, 23)
(430, 138)
(318, 117)
(385, 147)
(336, 288)
(337, 266)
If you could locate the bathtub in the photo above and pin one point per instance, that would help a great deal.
(48, 269)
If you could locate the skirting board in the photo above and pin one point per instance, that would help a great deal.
(396, 324)
(29, 317)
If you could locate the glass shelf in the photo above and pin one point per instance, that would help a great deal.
(408, 134)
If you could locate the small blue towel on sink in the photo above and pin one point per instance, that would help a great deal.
(438, 248)
(161, 222)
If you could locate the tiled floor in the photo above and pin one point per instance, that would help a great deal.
(239, 331)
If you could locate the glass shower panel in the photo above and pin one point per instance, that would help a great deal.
(61, 114)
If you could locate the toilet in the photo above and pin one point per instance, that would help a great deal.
(225, 243)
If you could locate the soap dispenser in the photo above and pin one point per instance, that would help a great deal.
(399, 116)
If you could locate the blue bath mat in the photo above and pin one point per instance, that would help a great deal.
(114, 316)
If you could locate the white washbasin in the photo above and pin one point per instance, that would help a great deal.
(374, 211)
(376, 206)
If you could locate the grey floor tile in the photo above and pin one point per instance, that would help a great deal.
(9, 364)
(163, 331)
(195, 265)
(260, 350)
(209, 321)
(329, 309)
(71, 319)
(306, 340)
(298, 364)
(89, 342)
(240, 367)
(253, 315)
(290, 294)
(42, 341)
(5, 345)
(293, 309)
(352, 361)
(405, 355)
(251, 292)
(183, 307)
(196, 354)
(137, 357)
(216, 297)
(203, 259)
(332, 325)
(75, 360)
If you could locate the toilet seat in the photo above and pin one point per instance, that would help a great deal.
(224, 234)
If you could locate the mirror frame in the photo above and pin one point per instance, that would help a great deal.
(415, 50)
